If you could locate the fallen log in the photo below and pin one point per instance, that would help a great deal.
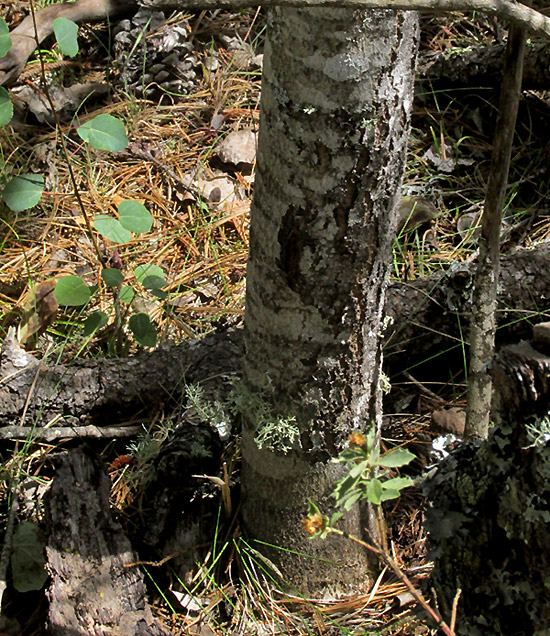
(428, 316)
(482, 66)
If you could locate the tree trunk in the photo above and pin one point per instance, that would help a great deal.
(336, 95)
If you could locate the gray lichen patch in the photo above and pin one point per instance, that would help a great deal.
(490, 533)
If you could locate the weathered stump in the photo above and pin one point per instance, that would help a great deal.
(489, 523)
(94, 588)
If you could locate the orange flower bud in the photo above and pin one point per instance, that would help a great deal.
(313, 524)
(357, 439)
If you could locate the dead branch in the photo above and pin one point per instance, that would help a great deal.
(508, 10)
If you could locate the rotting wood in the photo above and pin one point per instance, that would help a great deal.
(521, 377)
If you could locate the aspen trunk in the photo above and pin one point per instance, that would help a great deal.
(336, 96)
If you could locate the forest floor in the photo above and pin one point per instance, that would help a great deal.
(199, 240)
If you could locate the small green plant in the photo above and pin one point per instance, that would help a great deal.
(24, 191)
(369, 472)
(369, 478)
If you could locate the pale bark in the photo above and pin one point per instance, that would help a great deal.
(336, 97)
(483, 321)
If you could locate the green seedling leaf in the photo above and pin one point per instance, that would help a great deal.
(395, 458)
(374, 491)
(162, 295)
(146, 270)
(134, 216)
(397, 483)
(344, 486)
(23, 192)
(65, 34)
(389, 494)
(143, 329)
(27, 558)
(94, 322)
(350, 455)
(352, 500)
(358, 469)
(104, 132)
(72, 291)
(111, 229)
(335, 517)
(5, 40)
(154, 282)
(126, 294)
(370, 438)
(6, 107)
(112, 276)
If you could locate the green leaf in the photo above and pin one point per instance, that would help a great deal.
(6, 107)
(358, 469)
(104, 132)
(154, 282)
(112, 276)
(344, 486)
(389, 494)
(374, 455)
(134, 216)
(126, 294)
(397, 483)
(312, 509)
(395, 458)
(65, 34)
(94, 322)
(370, 438)
(351, 500)
(374, 491)
(23, 192)
(143, 329)
(5, 40)
(72, 291)
(111, 229)
(27, 558)
(148, 271)
(159, 293)
(335, 517)
(351, 455)
(142, 272)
